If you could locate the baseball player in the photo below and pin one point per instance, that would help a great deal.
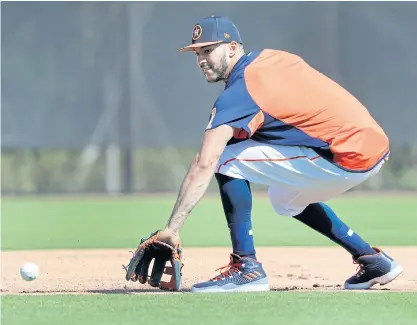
(281, 123)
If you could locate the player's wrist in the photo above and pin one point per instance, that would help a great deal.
(171, 234)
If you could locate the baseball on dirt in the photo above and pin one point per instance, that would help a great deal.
(29, 271)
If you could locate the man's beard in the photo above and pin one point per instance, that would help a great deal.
(219, 73)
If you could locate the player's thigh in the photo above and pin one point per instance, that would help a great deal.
(297, 176)
(268, 164)
(291, 201)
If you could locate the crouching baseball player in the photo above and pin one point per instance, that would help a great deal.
(280, 123)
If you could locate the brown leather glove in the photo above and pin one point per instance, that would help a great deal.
(162, 248)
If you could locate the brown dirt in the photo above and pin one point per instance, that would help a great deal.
(100, 271)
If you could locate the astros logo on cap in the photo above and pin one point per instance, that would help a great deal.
(197, 32)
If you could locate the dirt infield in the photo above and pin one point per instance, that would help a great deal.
(100, 271)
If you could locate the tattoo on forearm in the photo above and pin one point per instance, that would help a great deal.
(191, 192)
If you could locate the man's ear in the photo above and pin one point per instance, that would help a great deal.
(232, 49)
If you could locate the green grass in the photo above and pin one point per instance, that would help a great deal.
(51, 223)
(287, 308)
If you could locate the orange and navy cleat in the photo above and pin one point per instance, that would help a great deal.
(242, 274)
(373, 269)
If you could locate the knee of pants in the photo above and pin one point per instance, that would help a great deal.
(282, 206)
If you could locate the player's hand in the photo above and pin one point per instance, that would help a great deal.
(162, 246)
(169, 237)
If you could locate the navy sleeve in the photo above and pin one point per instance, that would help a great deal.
(236, 108)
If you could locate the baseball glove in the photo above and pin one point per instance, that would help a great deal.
(152, 248)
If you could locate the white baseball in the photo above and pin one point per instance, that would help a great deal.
(29, 271)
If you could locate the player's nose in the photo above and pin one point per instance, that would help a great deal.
(201, 60)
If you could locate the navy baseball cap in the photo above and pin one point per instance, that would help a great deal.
(213, 30)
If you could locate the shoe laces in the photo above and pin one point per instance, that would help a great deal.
(227, 270)
(360, 269)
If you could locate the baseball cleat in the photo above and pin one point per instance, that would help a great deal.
(242, 274)
(373, 269)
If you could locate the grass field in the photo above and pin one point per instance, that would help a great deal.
(57, 223)
(272, 308)
(119, 223)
